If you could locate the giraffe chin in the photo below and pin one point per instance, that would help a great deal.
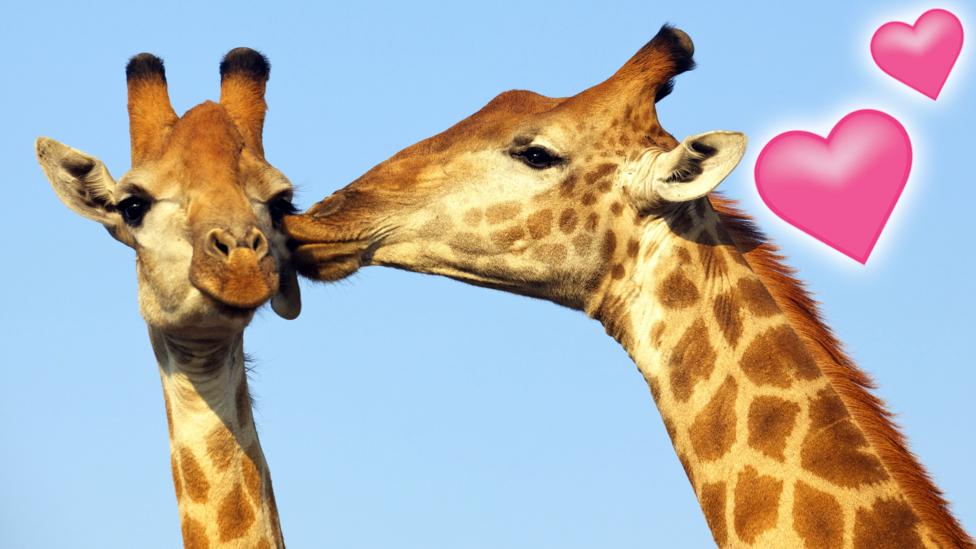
(329, 261)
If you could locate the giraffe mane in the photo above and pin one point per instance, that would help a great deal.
(852, 384)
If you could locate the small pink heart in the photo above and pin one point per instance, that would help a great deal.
(921, 56)
(840, 190)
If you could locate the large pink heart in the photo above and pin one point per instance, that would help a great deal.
(840, 190)
(921, 56)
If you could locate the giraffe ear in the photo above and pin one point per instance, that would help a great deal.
(691, 170)
(81, 181)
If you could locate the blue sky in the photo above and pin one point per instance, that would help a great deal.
(409, 411)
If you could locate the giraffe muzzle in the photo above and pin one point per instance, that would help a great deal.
(235, 269)
(324, 246)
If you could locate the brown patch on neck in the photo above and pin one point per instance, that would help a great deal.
(776, 357)
(756, 504)
(235, 515)
(713, 431)
(194, 534)
(754, 295)
(221, 447)
(851, 384)
(677, 291)
(835, 449)
(194, 481)
(713, 505)
(692, 360)
(888, 523)
(771, 420)
(729, 319)
(817, 517)
(251, 470)
(177, 478)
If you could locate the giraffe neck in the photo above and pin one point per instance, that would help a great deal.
(772, 451)
(223, 485)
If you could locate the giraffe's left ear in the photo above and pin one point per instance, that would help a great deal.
(691, 170)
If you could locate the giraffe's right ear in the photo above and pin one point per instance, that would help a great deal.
(691, 170)
(81, 181)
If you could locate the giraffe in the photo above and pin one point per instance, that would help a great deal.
(588, 202)
(202, 209)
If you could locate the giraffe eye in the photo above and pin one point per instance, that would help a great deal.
(279, 207)
(538, 158)
(133, 209)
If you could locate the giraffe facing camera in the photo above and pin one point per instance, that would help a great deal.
(202, 209)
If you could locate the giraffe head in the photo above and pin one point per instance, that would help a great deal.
(525, 194)
(201, 206)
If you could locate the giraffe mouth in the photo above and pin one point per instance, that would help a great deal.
(322, 252)
(242, 282)
(329, 261)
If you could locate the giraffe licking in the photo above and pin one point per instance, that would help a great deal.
(588, 202)
(202, 209)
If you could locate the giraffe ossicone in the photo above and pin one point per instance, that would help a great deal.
(588, 202)
(202, 209)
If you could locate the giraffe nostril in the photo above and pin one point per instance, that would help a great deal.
(256, 240)
(219, 243)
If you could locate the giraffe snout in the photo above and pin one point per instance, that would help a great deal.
(234, 267)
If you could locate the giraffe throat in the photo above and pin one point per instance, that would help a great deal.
(222, 481)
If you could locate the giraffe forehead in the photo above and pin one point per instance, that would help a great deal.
(208, 189)
(497, 120)
(204, 141)
(518, 117)
(205, 161)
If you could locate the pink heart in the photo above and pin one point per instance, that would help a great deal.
(840, 190)
(921, 56)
